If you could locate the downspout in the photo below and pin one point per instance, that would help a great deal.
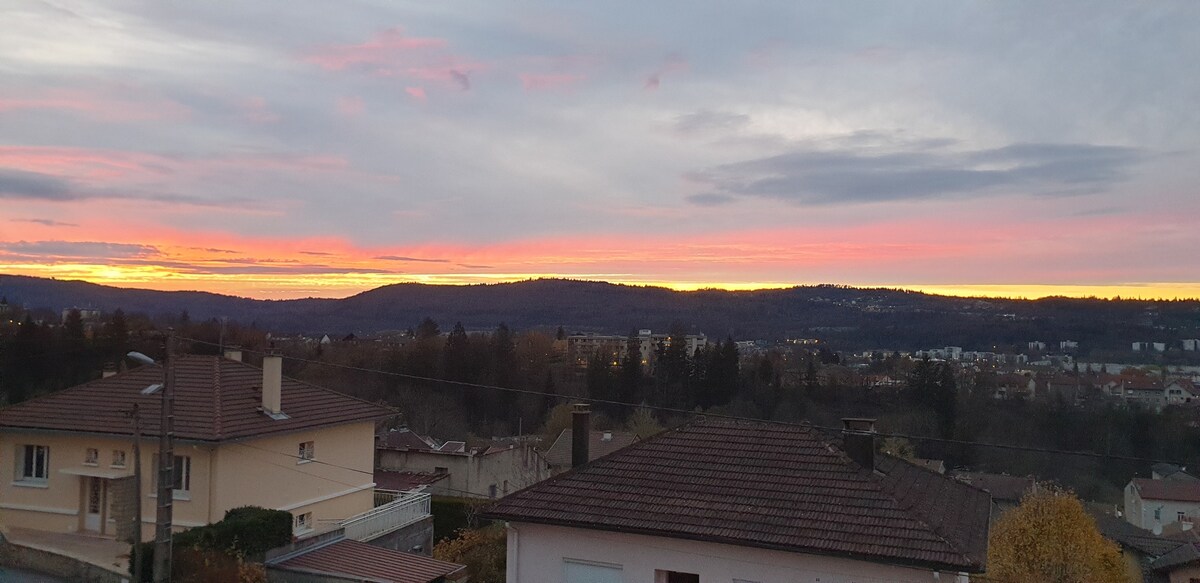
(515, 559)
(212, 483)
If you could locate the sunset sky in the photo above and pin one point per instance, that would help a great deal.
(289, 149)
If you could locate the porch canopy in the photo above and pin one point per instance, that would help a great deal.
(97, 472)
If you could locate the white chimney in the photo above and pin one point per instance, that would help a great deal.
(233, 353)
(272, 383)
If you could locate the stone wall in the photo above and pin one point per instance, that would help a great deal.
(414, 538)
(54, 565)
(124, 503)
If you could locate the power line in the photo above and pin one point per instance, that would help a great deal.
(688, 412)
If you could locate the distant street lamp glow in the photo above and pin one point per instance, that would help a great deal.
(142, 358)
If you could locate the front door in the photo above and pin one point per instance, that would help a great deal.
(94, 503)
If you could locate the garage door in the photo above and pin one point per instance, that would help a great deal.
(591, 573)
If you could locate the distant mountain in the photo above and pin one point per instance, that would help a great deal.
(851, 318)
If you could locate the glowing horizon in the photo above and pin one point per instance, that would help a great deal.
(341, 286)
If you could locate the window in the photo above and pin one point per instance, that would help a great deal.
(307, 451)
(1158, 513)
(118, 459)
(492, 491)
(302, 522)
(182, 479)
(588, 572)
(91, 457)
(675, 577)
(33, 463)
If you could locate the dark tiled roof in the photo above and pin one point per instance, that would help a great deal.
(1127, 535)
(1002, 487)
(1177, 490)
(559, 454)
(402, 439)
(1182, 555)
(767, 485)
(405, 481)
(215, 399)
(365, 562)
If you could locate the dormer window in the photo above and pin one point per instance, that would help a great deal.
(307, 451)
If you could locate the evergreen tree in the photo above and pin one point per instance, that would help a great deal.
(456, 356)
(427, 329)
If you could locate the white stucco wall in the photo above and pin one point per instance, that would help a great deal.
(1140, 513)
(538, 553)
(472, 474)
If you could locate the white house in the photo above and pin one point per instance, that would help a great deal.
(748, 502)
(1153, 504)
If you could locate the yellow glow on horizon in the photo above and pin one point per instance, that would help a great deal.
(1129, 291)
(339, 285)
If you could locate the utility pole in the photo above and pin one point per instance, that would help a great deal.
(166, 467)
(137, 494)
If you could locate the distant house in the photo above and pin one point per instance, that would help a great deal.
(1165, 471)
(453, 469)
(1152, 504)
(1015, 386)
(721, 500)
(601, 443)
(1180, 392)
(349, 561)
(1007, 491)
(1140, 547)
(1066, 388)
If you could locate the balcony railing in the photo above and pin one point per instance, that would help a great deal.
(401, 512)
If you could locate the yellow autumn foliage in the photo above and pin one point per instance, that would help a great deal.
(482, 550)
(1050, 538)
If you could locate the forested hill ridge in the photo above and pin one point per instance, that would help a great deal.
(852, 318)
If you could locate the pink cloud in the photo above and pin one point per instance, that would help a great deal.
(350, 106)
(393, 54)
(417, 93)
(547, 82)
(125, 169)
(671, 64)
(108, 105)
(383, 49)
(256, 110)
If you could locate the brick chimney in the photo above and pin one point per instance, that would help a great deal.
(272, 383)
(234, 353)
(858, 437)
(581, 429)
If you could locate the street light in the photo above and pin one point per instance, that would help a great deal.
(166, 461)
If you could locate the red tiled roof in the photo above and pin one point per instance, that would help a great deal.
(1176, 490)
(366, 562)
(405, 481)
(559, 454)
(766, 485)
(1000, 486)
(215, 399)
(402, 439)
